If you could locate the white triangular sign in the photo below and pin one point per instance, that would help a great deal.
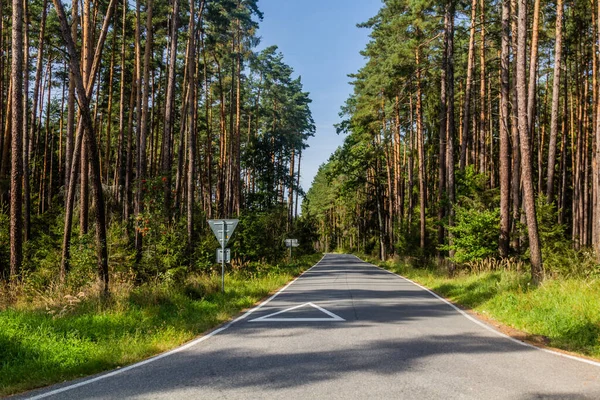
(217, 226)
(270, 317)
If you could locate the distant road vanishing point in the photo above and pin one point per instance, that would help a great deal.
(346, 329)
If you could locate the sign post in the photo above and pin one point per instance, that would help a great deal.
(291, 243)
(223, 235)
(223, 229)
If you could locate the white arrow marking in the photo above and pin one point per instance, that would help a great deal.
(269, 318)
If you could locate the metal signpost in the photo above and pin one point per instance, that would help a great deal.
(223, 229)
(291, 243)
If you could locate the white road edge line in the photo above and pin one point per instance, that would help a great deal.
(268, 318)
(171, 352)
(486, 326)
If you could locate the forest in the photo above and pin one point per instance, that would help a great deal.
(126, 125)
(469, 164)
(472, 137)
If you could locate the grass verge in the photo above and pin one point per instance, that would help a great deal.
(561, 313)
(86, 334)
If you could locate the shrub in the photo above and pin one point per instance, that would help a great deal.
(475, 234)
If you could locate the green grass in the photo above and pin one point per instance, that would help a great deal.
(44, 345)
(565, 311)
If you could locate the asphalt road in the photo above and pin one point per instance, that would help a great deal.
(348, 330)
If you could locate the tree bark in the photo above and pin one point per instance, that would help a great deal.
(450, 9)
(70, 106)
(421, 150)
(86, 63)
(533, 61)
(169, 97)
(528, 191)
(504, 134)
(516, 151)
(482, 115)
(16, 174)
(596, 181)
(119, 179)
(192, 109)
(442, 139)
(143, 129)
(26, 183)
(469, 83)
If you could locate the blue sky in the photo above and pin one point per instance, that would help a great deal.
(320, 41)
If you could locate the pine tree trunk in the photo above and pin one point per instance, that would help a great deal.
(528, 191)
(6, 144)
(143, 128)
(128, 190)
(298, 183)
(421, 149)
(482, 115)
(442, 142)
(531, 97)
(504, 134)
(34, 125)
(237, 150)
(596, 165)
(209, 136)
(181, 150)
(2, 97)
(86, 62)
(26, 182)
(70, 107)
(516, 148)
(191, 63)
(411, 153)
(450, 9)
(47, 150)
(169, 97)
(469, 81)
(16, 174)
(111, 68)
(121, 166)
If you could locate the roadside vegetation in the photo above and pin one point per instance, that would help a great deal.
(69, 332)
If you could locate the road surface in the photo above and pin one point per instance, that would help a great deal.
(348, 330)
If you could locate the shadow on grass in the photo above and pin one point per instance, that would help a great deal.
(582, 337)
(472, 294)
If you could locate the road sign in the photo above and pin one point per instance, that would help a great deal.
(223, 255)
(291, 243)
(223, 229)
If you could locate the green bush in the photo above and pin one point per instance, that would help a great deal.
(477, 220)
(475, 234)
